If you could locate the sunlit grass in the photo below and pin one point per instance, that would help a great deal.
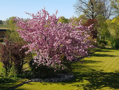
(96, 73)
(0, 66)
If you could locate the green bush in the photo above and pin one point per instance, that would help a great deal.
(13, 72)
(102, 42)
(1, 39)
(41, 71)
(12, 56)
(44, 71)
(3, 73)
(92, 50)
(115, 43)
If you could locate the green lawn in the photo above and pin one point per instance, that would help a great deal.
(96, 73)
(4, 26)
(0, 66)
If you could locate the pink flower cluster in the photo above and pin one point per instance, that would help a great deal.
(51, 40)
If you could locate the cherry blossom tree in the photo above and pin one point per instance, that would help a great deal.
(52, 40)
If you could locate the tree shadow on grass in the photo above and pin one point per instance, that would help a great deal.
(100, 79)
(103, 55)
(105, 50)
(81, 64)
(96, 79)
(6, 80)
(4, 83)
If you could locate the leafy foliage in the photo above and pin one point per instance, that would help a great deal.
(77, 20)
(11, 23)
(94, 28)
(12, 56)
(41, 71)
(113, 27)
(103, 30)
(63, 20)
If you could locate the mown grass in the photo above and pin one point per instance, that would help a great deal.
(98, 72)
(4, 26)
(0, 66)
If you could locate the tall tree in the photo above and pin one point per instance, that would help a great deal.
(115, 5)
(94, 27)
(103, 31)
(77, 19)
(93, 8)
(12, 23)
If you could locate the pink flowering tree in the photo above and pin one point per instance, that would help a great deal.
(52, 40)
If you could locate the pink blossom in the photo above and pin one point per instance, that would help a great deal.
(51, 40)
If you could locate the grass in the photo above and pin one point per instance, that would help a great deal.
(98, 72)
(4, 26)
(6, 83)
(0, 66)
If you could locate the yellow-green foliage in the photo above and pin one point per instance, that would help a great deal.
(113, 26)
(77, 19)
(12, 23)
(103, 27)
(63, 20)
(115, 5)
(13, 36)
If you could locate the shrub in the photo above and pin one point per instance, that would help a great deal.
(12, 56)
(3, 73)
(12, 72)
(44, 71)
(115, 43)
(5, 57)
(41, 71)
(102, 42)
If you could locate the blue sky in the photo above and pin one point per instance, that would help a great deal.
(9, 8)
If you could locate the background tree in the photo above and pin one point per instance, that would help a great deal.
(113, 27)
(77, 19)
(93, 8)
(7, 21)
(13, 35)
(63, 20)
(12, 23)
(94, 27)
(115, 5)
(103, 31)
(1, 22)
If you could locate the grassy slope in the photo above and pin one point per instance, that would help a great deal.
(96, 73)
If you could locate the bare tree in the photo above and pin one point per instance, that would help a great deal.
(115, 5)
(93, 8)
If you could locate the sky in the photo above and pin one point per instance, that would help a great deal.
(9, 8)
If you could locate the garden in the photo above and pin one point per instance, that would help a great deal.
(47, 52)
